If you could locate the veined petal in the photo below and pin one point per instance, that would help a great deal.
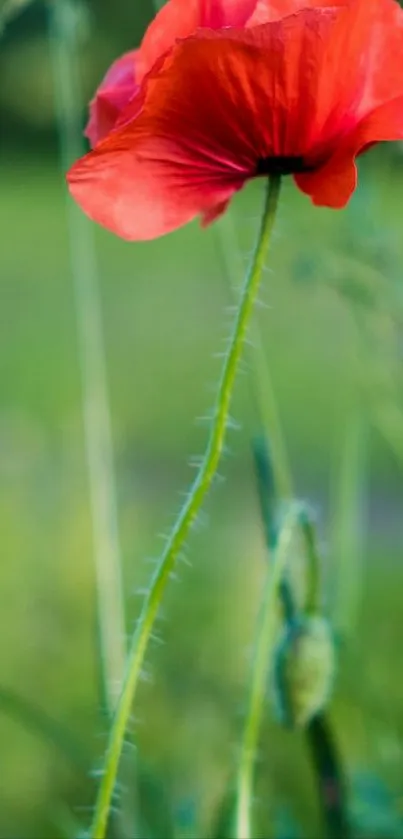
(383, 51)
(145, 189)
(362, 66)
(238, 95)
(333, 184)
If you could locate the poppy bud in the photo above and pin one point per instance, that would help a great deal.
(304, 668)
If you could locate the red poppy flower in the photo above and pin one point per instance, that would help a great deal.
(177, 19)
(300, 91)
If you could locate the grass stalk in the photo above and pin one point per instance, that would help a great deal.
(328, 769)
(187, 515)
(270, 516)
(263, 650)
(310, 540)
(96, 410)
(330, 778)
(347, 526)
(38, 722)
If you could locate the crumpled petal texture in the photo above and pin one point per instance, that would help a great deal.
(315, 82)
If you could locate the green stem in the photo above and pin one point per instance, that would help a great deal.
(326, 762)
(96, 411)
(187, 515)
(348, 527)
(330, 778)
(267, 493)
(38, 722)
(269, 509)
(262, 390)
(309, 536)
(263, 649)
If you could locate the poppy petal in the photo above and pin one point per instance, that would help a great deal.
(220, 13)
(268, 10)
(244, 93)
(181, 18)
(144, 192)
(113, 94)
(213, 213)
(362, 65)
(333, 184)
(216, 107)
(383, 53)
(176, 19)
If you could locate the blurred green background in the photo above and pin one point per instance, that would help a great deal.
(332, 335)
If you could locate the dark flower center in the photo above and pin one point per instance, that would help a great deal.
(280, 165)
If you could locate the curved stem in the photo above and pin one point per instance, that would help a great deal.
(266, 487)
(187, 515)
(268, 500)
(261, 384)
(263, 648)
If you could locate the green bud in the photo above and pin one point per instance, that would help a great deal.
(304, 669)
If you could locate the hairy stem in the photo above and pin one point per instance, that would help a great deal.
(261, 385)
(186, 516)
(263, 649)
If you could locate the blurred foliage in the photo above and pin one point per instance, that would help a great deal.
(164, 308)
(333, 337)
(376, 809)
(26, 95)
